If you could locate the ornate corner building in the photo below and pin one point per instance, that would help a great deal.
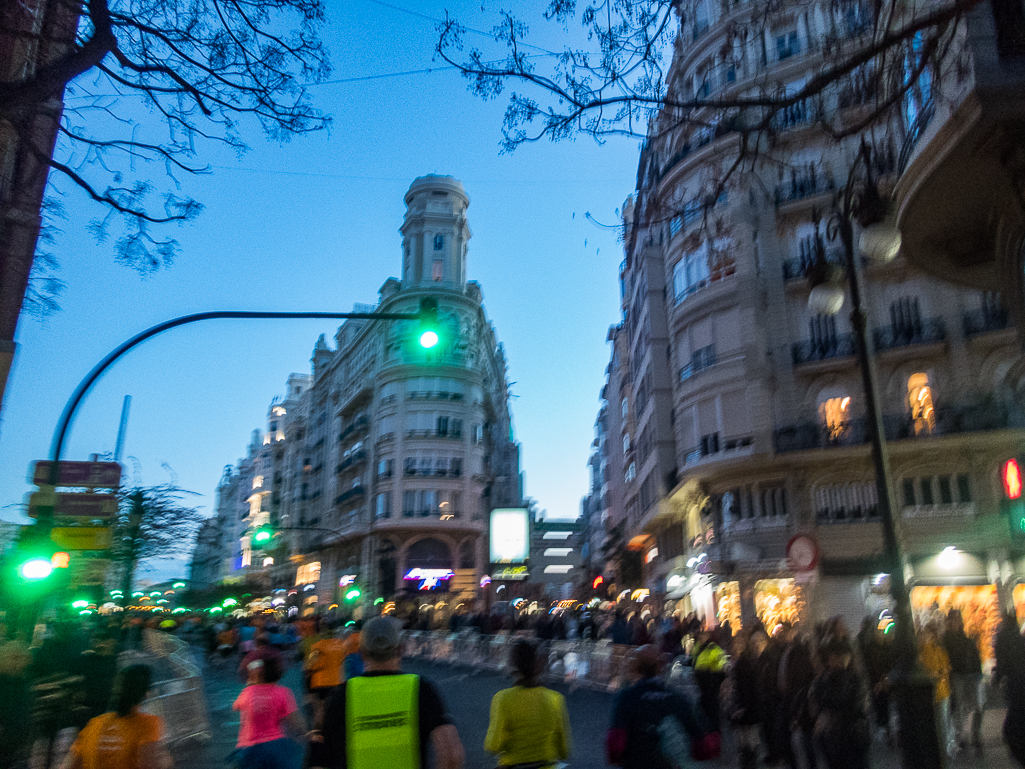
(732, 418)
(388, 457)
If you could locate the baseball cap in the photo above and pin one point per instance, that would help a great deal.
(380, 636)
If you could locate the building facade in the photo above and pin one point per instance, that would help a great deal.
(556, 555)
(739, 412)
(384, 463)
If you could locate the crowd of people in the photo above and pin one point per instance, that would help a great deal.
(801, 698)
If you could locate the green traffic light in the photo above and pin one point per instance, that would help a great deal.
(79, 604)
(353, 594)
(428, 339)
(229, 602)
(36, 568)
(262, 536)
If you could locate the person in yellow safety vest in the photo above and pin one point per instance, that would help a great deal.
(709, 673)
(385, 719)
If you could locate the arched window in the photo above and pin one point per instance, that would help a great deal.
(835, 417)
(923, 415)
(439, 242)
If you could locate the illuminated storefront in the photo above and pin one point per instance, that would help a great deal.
(727, 601)
(1018, 596)
(978, 604)
(778, 601)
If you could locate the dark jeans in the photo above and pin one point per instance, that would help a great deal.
(276, 754)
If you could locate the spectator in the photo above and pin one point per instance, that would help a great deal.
(619, 631)
(745, 709)
(1010, 670)
(838, 701)
(877, 658)
(937, 664)
(654, 727)
(709, 674)
(965, 682)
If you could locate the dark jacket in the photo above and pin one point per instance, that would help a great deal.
(746, 710)
(963, 653)
(637, 713)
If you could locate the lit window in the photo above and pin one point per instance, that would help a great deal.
(258, 482)
(923, 416)
(834, 414)
(268, 561)
(307, 573)
(437, 270)
(557, 552)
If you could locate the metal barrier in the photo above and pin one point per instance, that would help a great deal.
(177, 692)
(593, 664)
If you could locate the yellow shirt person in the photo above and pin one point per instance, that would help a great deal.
(529, 723)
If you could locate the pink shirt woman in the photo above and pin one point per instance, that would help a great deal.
(264, 706)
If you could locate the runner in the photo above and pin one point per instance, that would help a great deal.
(264, 705)
(124, 738)
(529, 723)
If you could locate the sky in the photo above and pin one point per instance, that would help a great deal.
(312, 225)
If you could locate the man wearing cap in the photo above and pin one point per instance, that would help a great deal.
(385, 719)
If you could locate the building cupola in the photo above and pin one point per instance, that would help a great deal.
(435, 233)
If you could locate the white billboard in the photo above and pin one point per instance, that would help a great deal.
(510, 535)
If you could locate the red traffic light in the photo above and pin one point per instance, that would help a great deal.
(1010, 475)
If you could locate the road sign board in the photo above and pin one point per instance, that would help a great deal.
(105, 475)
(74, 505)
(81, 537)
(88, 571)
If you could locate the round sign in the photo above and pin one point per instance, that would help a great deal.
(802, 553)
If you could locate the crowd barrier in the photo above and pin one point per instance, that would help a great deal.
(177, 692)
(593, 664)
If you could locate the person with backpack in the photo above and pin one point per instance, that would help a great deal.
(123, 738)
(653, 726)
(529, 725)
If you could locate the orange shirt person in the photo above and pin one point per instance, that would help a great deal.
(327, 656)
(124, 738)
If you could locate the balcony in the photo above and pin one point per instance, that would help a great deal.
(803, 185)
(433, 513)
(985, 320)
(952, 510)
(802, 113)
(811, 350)
(858, 514)
(355, 491)
(700, 139)
(713, 447)
(929, 331)
(359, 458)
(700, 360)
(950, 420)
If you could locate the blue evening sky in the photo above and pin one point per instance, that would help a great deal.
(312, 225)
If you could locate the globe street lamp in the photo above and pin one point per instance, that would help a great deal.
(879, 242)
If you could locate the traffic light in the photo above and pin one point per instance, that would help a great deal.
(262, 537)
(35, 568)
(1013, 502)
(352, 594)
(429, 332)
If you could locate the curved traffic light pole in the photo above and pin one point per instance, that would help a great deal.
(86, 384)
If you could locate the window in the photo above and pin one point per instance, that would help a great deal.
(909, 492)
(690, 273)
(926, 488)
(410, 466)
(631, 472)
(456, 428)
(430, 502)
(624, 407)
(478, 434)
(834, 415)
(709, 444)
(307, 573)
(442, 426)
(437, 271)
(946, 493)
(457, 466)
(439, 242)
(964, 490)
(923, 416)
(409, 503)
(268, 561)
(787, 45)
(258, 482)
(384, 468)
(626, 443)
(384, 505)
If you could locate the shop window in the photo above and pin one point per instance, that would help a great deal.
(778, 601)
(978, 605)
(923, 416)
(834, 416)
(727, 598)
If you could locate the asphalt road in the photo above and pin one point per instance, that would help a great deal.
(468, 694)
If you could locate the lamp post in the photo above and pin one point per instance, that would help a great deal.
(860, 201)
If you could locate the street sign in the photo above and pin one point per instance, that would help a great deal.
(106, 475)
(73, 505)
(88, 571)
(81, 537)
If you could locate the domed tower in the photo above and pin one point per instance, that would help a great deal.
(435, 233)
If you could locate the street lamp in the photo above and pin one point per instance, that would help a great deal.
(860, 201)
